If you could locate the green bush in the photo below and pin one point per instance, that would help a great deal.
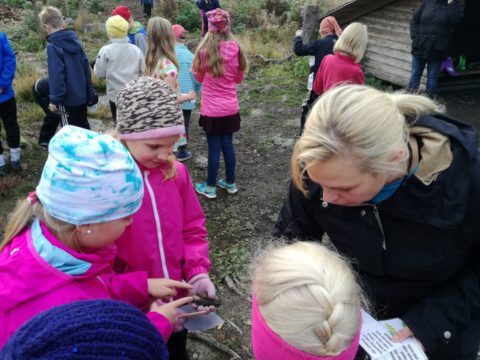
(301, 67)
(32, 43)
(22, 4)
(247, 15)
(94, 6)
(188, 16)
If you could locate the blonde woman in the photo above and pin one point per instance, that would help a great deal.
(306, 305)
(396, 186)
(344, 65)
(220, 64)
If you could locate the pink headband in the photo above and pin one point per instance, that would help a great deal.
(266, 344)
(218, 21)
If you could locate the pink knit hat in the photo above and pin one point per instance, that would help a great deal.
(178, 31)
(218, 21)
(266, 344)
(329, 26)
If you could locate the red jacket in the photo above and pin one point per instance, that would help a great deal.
(335, 70)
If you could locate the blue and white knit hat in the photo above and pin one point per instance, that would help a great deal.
(89, 178)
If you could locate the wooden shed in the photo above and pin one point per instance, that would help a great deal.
(388, 54)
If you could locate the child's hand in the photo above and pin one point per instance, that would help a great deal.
(203, 286)
(160, 288)
(169, 310)
(191, 95)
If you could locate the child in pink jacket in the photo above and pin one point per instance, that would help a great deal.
(219, 63)
(59, 243)
(344, 66)
(170, 223)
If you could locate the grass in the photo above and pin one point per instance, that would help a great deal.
(25, 77)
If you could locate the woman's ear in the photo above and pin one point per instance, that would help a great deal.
(397, 156)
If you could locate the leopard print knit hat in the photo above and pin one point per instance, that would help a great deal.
(147, 108)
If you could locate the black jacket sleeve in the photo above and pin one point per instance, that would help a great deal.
(296, 218)
(303, 50)
(455, 12)
(438, 318)
(416, 20)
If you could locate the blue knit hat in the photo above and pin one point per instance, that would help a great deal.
(91, 329)
(89, 178)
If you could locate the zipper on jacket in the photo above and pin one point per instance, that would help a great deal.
(158, 225)
(379, 221)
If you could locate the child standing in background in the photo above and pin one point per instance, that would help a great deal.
(187, 83)
(306, 305)
(344, 66)
(8, 105)
(170, 222)
(118, 62)
(205, 6)
(136, 32)
(59, 241)
(219, 64)
(69, 76)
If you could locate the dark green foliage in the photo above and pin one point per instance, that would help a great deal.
(94, 6)
(188, 16)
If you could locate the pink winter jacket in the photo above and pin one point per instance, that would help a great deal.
(29, 285)
(167, 237)
(219, 95)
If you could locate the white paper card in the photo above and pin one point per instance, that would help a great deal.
(375, 339)
(201, 322)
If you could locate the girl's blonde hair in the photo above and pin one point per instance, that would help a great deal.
(360, 123)
(213, 57)
(314, 291)
(23, 215)
(161, 44)
(353, 41)
(52, 16)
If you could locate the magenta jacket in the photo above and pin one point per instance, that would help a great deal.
(335, 70)
(30, 285)
(219, 95)
(167, 237)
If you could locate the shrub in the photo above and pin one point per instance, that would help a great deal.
(94, 6)
(188, 16)
(99, 84)
(32, 43)
(25, 78)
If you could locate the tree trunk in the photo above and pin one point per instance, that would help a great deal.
(38, 26)
(311, 20)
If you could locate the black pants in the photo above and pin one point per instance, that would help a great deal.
(8, 113)
(177, 346)
(186, 121)
(77, 115)
(113, 109)
(41, 93)
(306, 109)
(147, 10)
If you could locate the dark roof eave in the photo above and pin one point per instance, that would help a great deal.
(354, 9)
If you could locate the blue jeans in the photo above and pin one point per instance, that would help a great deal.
(433, 70)
(223, 143)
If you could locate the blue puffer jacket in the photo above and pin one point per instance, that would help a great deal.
(7, 68)
(68, 70)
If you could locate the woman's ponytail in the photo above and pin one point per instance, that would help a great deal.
(414, 106)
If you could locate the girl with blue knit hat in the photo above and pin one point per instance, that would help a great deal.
(59, 242)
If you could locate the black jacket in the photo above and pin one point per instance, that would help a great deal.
(431, 28)
(318, 48)
(418, 252)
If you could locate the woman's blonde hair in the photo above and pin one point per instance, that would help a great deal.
(353, 41)
(22, 216)
(213, 57)
(314, 291)
(361, 123)
(52, 16)
(161, 44)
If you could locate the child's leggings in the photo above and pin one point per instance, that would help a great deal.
(217, 143)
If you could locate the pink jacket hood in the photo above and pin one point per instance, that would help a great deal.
(219, 95)
(167, 237)
(25, 269)
(29, 285)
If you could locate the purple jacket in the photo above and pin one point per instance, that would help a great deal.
(219, 95)
(167, 237)
(29, 285)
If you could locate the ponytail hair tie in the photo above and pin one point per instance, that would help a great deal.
(32, 198)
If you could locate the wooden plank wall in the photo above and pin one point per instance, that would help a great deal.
(388, 53)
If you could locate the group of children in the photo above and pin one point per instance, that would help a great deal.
(116, 217)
